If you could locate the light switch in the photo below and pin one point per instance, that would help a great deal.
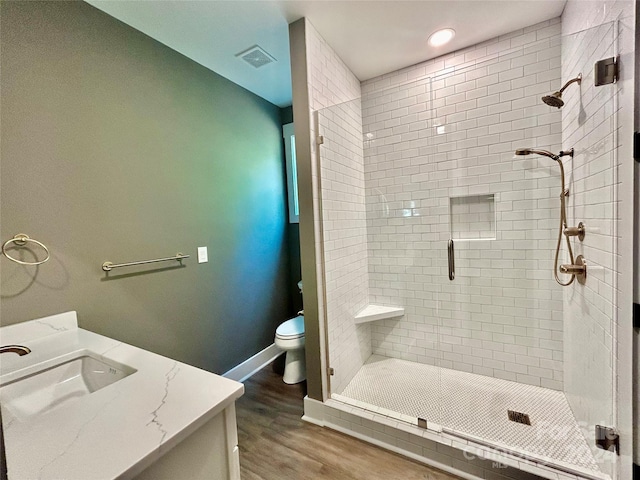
(203, 256)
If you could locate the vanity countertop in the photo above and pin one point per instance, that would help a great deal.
(114, 432)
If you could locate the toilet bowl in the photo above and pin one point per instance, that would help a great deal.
(290, 338)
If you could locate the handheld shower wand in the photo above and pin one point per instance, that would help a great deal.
(571, 269)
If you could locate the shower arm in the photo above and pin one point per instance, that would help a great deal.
(577, 79)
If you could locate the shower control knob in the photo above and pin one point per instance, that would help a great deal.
(575, 231)
(572, 269)
(579, 269)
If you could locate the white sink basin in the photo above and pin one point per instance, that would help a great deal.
(53, 386)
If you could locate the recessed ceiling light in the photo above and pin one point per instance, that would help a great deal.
(441, 37)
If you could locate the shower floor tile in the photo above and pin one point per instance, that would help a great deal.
(475, 405)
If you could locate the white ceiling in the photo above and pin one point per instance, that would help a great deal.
(371, 37)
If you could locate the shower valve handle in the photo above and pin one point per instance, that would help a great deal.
(575, 231)
(572, 269)
(579, 269)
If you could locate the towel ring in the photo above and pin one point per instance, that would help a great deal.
(21, 240)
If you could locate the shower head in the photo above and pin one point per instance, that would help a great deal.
(533, 151)
(555, 99)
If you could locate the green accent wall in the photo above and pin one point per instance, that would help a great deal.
(115, 147)
(293, 234)
(286, 115)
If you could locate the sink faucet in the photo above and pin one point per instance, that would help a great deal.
(19, 349)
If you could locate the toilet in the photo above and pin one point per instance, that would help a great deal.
(290, 338)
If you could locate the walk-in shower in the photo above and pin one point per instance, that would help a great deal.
(425, 160)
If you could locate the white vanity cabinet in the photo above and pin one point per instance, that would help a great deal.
(82, 406)
(210, 453)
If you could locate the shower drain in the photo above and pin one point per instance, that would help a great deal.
(518, 417)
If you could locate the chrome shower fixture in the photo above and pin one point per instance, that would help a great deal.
(577, 268)
(555, 99)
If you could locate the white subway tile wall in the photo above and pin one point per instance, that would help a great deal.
(473, 217)
(345, 238)
(438, 136)
(592, 138)
(341, 229)
(589, 126)
(586, 307)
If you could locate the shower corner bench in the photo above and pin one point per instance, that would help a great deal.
(372, 312)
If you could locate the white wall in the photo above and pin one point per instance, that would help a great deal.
(448, 128)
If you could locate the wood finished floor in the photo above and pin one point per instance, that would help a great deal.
(275, 444)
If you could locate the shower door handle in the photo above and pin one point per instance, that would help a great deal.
(452, 261)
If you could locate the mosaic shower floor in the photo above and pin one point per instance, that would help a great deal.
(475, 405)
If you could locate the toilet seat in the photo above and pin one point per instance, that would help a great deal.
(291, 329)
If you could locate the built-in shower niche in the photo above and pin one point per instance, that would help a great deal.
(473, 217)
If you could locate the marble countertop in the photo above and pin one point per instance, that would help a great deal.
(114, 432)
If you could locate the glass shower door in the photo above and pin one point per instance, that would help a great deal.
(522, 353)
(397, 124)
(590, 307)
(381, 321)
(344, 237)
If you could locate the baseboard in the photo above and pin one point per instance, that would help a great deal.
(250, 366)
(313, 411)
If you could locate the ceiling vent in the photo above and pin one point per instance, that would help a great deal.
(256, 56)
